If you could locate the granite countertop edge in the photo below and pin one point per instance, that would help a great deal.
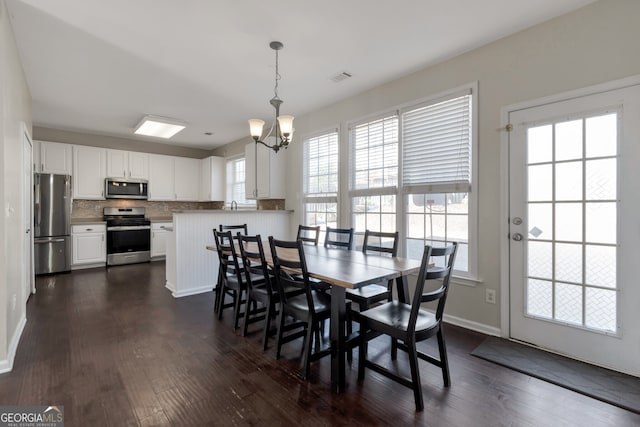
(98, 220)
(234, 211)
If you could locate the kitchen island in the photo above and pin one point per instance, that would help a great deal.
(190, 268)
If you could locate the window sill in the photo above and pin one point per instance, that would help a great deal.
(459, 280)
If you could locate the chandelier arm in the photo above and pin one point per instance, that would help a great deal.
(274, 147)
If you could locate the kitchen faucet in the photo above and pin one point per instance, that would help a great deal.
(234, 205)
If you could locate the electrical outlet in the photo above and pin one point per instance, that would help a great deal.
(490, 296)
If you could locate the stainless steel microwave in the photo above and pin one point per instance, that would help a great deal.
(121, 188)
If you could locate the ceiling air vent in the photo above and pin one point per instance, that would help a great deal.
(340, 77)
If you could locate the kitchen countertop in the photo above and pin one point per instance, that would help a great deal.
(234, 211)
(99, 220)
(160, 218)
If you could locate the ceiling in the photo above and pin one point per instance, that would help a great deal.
(98, 66)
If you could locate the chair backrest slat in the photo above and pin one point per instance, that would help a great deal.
(253, 259)
(308, 234)
(290, 271)
(368, 247)
(444, 273)
(338, 238)
(226, 252)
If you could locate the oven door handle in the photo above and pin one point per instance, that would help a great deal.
(129, 228)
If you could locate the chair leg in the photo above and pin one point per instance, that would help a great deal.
(362, 356)
(221, 296)
(444, 361)
(394, 349)
(311, 328)
(415, 375)
(349, 332)
(280, 331)
(216, 301)
(236, 308)
(245, 326)
(267, 325)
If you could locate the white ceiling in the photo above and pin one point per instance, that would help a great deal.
(98, 66)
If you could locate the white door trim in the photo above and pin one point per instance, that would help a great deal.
(505, 323)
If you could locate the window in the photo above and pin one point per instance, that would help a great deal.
(429, 196)
(235, 183)
(374, 175)
(321, 180)
(436, 175)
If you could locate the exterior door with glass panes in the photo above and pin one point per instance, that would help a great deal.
(575, 228)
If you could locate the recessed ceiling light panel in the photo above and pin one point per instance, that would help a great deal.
(159, 127)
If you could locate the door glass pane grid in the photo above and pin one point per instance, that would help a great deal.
(572, 222)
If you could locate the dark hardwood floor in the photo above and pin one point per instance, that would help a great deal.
(115, 348)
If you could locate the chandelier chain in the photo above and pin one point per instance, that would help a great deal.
(278, 77)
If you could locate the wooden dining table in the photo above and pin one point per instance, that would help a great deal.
(350, 270)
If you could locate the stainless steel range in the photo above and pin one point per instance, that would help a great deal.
(128, 236)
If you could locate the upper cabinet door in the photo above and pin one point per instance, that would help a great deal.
(89, 172)
(117, 163)
(138, 165)
(55, 158)
(127, 164)
(187, 178)
(161, 177)
(212, 179)
(264, 177)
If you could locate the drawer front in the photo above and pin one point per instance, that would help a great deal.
(158, 226)
(88, 228)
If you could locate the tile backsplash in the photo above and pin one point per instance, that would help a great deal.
(270, 205)
(93, 208)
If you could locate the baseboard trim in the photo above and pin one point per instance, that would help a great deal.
(193, 291)
(474, 326)
(7, 364)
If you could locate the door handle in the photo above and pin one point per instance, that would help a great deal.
(28, 230)
(517, 237)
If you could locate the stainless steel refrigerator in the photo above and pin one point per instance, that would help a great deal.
(52, 228)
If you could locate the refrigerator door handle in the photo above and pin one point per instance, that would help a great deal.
(40, 241)
(36, 206)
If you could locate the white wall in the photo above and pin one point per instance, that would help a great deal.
(592, 45)
(15, 108)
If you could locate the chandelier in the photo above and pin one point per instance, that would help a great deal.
(282, 125)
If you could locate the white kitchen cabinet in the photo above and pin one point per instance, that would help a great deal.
(138, 165)
(212, 179)
(89, 172)
(267, 166)
(161, 177)
(159, 234)
(187, 179)
(52, 157)
(89, 245)
(127, 164)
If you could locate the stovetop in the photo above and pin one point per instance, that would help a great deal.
(120, 222)
(118, 217)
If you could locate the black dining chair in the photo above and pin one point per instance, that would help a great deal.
(261, 290)
(242, 227)
(308, 234)
(374, 243)
(410, 324)
(309, 308)
(218, 294)
(341, 238)
(230, 275)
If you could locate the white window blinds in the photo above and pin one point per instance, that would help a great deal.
(374, 156)
(321, 168)
(436, 148)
